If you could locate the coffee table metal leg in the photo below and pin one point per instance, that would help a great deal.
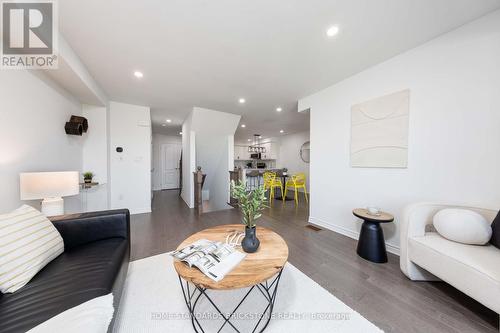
(271, 300)
(269, 291)
(188, 297)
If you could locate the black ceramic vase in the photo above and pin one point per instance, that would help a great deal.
(250, 242)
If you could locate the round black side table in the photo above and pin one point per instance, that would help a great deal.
(371, 243)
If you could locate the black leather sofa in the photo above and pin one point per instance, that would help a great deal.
(94, 263)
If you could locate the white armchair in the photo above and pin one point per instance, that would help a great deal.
(426, 256)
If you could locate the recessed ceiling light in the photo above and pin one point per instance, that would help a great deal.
(242, 101)
(169, 120)
(332, 31)
(243, 125)
(163, 125)
(180, 133)
(138, 74)
(279, 109)
(249, 140)
(260, 136)
(282, 131)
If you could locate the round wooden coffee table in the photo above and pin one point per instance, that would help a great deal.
(371, 243)
(259, 271)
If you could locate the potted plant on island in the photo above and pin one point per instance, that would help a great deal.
(87, 177)
(251, 204)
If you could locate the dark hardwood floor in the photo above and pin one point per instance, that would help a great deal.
(379, 292)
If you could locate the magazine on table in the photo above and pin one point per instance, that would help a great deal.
(214, 259)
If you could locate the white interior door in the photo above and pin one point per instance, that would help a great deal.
(170, 165)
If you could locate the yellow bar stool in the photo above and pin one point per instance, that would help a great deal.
(268, 181)
(267, 177)
(271, 182)
(298, 181)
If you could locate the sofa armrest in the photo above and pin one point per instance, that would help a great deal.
(415, 219)
(79, 229)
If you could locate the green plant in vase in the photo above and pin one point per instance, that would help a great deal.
(87, 177)
(251, 204)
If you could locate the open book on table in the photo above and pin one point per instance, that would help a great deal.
(214, 259)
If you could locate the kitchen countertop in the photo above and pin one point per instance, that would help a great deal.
(261, 171)
(252, 169)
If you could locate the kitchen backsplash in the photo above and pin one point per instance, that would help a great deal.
(270, 164)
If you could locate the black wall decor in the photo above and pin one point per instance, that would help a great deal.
(73, 128)
(76, 126)
(81, 120)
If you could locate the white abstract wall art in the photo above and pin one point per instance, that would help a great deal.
(379, 132)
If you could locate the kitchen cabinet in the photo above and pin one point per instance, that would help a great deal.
(272, 151)
(241, 153)
(245, 154)
(237, 153)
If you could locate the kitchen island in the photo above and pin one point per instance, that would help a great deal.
(253, 177)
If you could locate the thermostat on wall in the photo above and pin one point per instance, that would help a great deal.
(119, 149)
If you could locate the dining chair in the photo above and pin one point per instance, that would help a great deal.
(271, 182)
(297, 181)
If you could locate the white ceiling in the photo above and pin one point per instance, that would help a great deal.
(271, 52)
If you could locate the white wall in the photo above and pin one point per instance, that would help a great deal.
(188, 161)
(289, 154)
(95, 158)
(230, 162)
(130, 171)
(208, 141)
(215, 152)
(212, 156)
(33, 111)
(80, 74)
(95, 147)
(454, 139)
(158, 140)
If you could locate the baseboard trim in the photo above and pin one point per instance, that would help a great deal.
(349, 233)
(135, 211)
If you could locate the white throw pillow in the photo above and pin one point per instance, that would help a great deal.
(462, 226)
(28, 242)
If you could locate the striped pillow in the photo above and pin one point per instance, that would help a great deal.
(28, 242)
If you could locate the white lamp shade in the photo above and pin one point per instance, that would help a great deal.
(41, 185)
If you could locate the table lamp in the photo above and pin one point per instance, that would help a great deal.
(49, 187)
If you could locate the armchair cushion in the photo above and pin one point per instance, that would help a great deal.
(495, 237)
(470, 268)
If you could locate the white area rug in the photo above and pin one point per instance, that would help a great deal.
(153, 302)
